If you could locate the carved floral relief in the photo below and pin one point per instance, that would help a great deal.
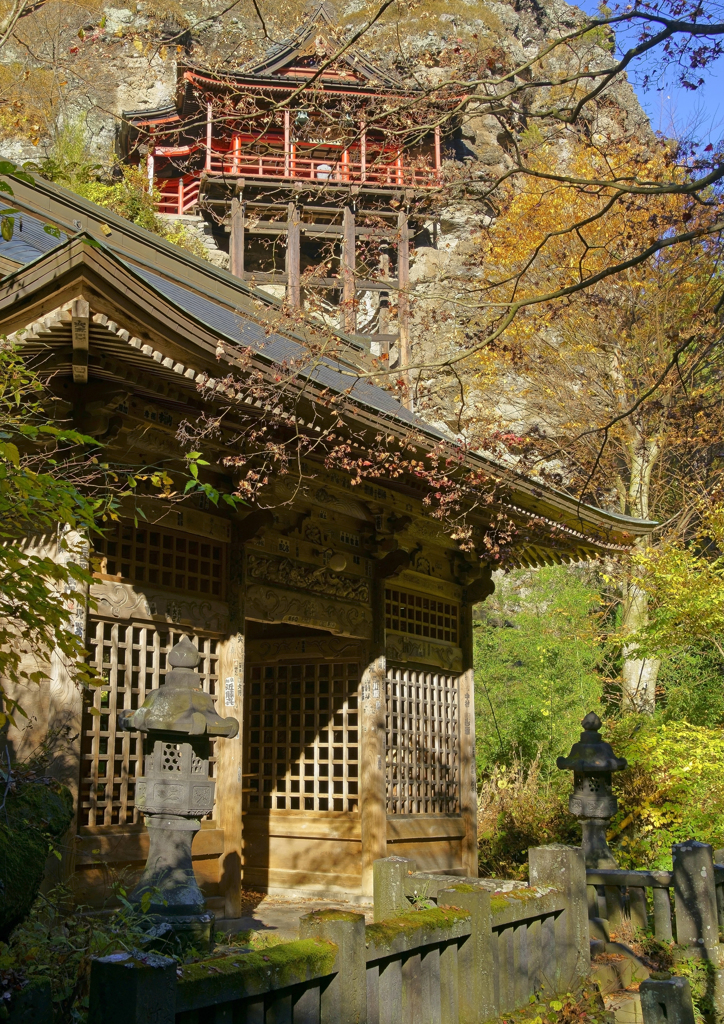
(319, 580)
(268, 604)
(124, 601)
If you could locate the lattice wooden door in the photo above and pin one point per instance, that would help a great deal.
(302, 740)
(131, 658)
(423, 742)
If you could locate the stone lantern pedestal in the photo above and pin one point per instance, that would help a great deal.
(174, 793)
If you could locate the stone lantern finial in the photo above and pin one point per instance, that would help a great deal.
(592, 761)
(592, 753)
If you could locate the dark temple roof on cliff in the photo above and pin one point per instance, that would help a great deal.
(204, 316)
(316, 41)
(286, 66)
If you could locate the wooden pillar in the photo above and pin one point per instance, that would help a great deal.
(150, 171)
(229, 753)
(293, 261)
(373, 793)
(349, 314)
(363, 153)
(383, 323)
(468, 770)
(438, 159)
(236, 244)
(403, 301)
(287, 143)
(209, 117)
(65, 699)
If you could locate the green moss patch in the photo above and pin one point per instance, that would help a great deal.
(286, 961)
(333, 915)
(384, 933)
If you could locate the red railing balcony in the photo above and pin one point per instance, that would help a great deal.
(335, 165)
(264, 164)
(177, 195)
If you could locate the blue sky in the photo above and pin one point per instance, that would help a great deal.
(675, 111)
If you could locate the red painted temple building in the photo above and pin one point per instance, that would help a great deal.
(312, 166)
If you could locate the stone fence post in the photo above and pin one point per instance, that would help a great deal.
(344, 999)
(476, 960)
(697, 920)
(666, 1002)
(388, 886)
(132, 988)
(564, 867)
(697, 923)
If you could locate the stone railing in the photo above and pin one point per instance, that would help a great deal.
(478, 948)
(696, 884)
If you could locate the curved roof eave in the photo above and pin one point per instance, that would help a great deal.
(532, 499)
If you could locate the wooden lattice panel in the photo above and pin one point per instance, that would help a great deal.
(132, 660)
(418, 615)
(302, 739)
(163, 558)
(423, 742)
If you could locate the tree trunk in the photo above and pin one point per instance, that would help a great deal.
(639, 674)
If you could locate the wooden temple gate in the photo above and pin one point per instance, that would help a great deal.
(334, 621)
(335, 744)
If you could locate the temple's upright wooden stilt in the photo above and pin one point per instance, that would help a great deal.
(383, 319)
(403, 302)
(236, 244)
(294, 291)
(349, 314)
(384, 323)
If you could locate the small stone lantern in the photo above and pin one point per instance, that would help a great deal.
(176, 792)
(592, 801)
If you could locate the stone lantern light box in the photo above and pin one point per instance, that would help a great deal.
(175, 792)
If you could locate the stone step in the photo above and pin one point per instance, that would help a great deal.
(614, 974)
(598, 929)
(624, 1007)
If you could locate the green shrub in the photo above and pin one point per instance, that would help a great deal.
(537, 658)
(672, 791)
(69, 162)
(57, 943)
(691, 687)
(35, 812)
(517, 809)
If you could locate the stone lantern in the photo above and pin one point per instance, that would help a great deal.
(175, 792)
(592, 801)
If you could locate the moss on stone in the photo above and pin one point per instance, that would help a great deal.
(498, 903)
(287, 960)
(333, 915)
(465, 887)
(523, 894)
(384, 933)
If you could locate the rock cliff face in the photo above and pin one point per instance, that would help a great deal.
(126, 58)
(68, 62)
